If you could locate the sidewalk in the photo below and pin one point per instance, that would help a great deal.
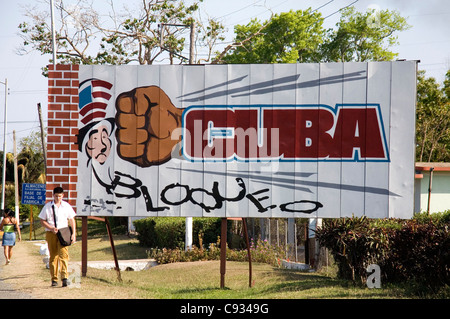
(28, 278)
(7, 290)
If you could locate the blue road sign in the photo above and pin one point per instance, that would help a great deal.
(33, 194)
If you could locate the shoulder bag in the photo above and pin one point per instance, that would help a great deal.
(64, 234)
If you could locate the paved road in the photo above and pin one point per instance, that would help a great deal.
(6, 291)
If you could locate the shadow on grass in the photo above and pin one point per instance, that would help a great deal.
(124, 251)
(291, 280)
(327, 287)
(198, 290)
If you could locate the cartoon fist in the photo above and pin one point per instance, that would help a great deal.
(145, 119)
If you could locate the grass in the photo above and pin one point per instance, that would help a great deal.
(201, 280)
(198, 280)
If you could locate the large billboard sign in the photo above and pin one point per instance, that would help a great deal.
(270, 140)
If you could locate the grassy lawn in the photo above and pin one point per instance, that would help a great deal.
(201, 280)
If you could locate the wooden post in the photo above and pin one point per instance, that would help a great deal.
(244, 223)
(223, 252)
(84, 245)
(430, 183)
(111, 240)
(31, 220)
(306, 243)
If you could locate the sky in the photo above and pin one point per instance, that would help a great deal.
(428, 40)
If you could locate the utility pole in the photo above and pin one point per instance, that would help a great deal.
(44, 148)
(16, 178)
(53, 32)
(192, 39)
(4, 145)
(192, 43)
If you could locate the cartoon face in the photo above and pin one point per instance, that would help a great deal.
(98, 146)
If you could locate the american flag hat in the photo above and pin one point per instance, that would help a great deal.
(93, 97)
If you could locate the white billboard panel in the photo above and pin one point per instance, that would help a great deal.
(270, 140)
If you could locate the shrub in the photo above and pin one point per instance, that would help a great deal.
(419, 252)
(206, 228)
(169, 232)
(261, 251)
(353, 243)
(437, 218)
(145, 229)
(413, 250)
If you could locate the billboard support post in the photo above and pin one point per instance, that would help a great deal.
(84, 246)
(111, 240)
(250, 283)
(223, 252)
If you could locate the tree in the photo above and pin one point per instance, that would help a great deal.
(288, 37)
(85, 36)
(363, 36)
(30, 165)
(299, 37)
(432, 120)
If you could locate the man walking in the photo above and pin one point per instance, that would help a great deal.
(65, 215)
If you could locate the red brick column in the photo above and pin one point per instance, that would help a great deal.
(62, 154)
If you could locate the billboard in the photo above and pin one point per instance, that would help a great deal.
(266, 140)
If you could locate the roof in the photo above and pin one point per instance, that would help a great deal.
(438, 166)
(426, 167)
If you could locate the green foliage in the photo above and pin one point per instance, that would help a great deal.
(298, 36)
(30, 169)
(416, 250)
(435, 218)
(288, 37)
(169, 232)
(261, 251)
(432, 119)
(363, 36)
(419, 252)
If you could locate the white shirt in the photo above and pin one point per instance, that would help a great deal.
(63, 214)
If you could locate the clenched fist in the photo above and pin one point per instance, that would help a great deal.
(145, 119)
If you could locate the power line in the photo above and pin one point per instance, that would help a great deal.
(243, 8)
(340, 9)
(323, 5)
(22, 122)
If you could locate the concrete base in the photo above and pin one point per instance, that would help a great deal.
(293, 265)
(124, 265)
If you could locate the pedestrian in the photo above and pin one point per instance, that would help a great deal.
(9, 225)
(65, 216)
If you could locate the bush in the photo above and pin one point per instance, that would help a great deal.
(412, 250)
(169, 232)
(437, 218)
(353, 244)
(419, 252)
(145, 229)
(261, 251)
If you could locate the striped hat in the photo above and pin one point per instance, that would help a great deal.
(93, 97)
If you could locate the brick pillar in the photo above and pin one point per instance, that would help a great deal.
(62, 154)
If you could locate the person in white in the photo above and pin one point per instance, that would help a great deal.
(65, 215)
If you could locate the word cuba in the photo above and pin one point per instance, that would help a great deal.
(280, 132)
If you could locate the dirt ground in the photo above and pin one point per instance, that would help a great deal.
(28, 278)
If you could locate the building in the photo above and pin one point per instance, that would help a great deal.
(432, 187)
